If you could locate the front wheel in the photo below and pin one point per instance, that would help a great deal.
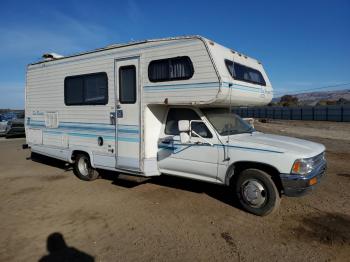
(256, 192)
(83, 168)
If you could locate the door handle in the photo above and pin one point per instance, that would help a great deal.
(166, 141)
(112, 117)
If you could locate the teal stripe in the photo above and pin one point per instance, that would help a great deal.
(54, 132)
(123, 129)
(128, 131)
(128, 139)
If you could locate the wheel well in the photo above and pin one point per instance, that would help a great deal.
(77, 152)
(238, 167)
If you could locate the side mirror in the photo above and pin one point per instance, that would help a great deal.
(184, 128)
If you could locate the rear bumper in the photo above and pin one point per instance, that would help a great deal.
(294, 185)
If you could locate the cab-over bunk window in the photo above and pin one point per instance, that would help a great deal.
(170, 69)
(89, 89)
(245, 73)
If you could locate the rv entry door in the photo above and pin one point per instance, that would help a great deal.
(128, 114)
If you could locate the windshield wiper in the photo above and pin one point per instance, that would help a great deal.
(250, 130)
(229, 132)
(236, 132)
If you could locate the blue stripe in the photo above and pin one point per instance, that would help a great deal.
(200, 86)
(182, 86)
(79, 134)
(179, 88)
(176, 146)
(124, 128)
(203, 83)
(106, 131)
(120, 138)
(256, 149)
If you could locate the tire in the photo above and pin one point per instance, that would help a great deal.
(256, 192)
(82, 168)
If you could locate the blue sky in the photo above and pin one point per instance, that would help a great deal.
(302, 44)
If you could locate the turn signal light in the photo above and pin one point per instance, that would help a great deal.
(313, 181)
(296, 167)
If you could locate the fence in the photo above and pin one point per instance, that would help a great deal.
(339, 113)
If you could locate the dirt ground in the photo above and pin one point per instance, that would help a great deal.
(170, 219)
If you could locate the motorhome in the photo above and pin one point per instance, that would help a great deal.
(164, 106)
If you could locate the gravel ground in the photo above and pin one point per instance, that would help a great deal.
(170, 219)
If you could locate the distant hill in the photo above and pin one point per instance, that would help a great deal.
(313, 97)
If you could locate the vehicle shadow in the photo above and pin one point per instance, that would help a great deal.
(49, 161)
(14, 136)
(218, 192)
(59, 251)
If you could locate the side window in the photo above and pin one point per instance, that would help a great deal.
(127, 84)
(73, 88)
(244, 73)
(201, 129)
(176, 114)
(90, 89)
(170, 69)
(95, 89)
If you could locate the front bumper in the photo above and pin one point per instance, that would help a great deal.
(295, 185)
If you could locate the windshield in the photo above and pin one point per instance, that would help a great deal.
(226, 123)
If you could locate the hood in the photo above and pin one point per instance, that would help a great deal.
(301, 147)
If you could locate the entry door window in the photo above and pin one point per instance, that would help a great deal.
(127, 84)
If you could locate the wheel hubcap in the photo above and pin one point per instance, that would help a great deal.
(83, 166)
(253, 193)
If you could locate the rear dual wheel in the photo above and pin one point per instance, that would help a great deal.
(256, 192)
(82, 168)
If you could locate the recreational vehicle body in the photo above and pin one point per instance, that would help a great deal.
(164, 107)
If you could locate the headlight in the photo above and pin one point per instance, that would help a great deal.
(302, 166)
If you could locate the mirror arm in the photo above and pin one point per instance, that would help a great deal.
(202, 138)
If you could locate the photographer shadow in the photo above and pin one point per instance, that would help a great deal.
(59, 251)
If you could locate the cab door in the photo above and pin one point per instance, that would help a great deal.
(128, 114)
(197, 159)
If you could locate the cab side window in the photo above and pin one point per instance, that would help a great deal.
(176, 114)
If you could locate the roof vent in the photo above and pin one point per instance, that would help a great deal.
(51, 56)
